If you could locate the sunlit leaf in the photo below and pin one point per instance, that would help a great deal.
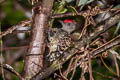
(68, 1)
(117, 7)
(118, 27)
(82, 3)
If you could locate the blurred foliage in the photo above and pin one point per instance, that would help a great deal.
(12, 16)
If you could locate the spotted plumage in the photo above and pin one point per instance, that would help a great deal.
(58, 42)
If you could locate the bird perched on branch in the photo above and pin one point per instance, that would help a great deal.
(59, 39)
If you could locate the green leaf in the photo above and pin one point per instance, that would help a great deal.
(68, 1)
(63, 2)
(13, 17)
(82, 3)
(60, 7)
(7, 7)
(117, 7)
(118, 27)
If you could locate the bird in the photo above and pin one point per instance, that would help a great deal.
(59, 39)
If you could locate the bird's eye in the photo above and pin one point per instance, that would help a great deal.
(69, 24)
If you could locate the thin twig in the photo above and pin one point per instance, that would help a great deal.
(90, 67)
(69, 67)
(17, 47)
(91, 12)
(64, 77)
(84, 28)
(12, 28)
(110, 77)
(74, 68)
(107, 65)
(11, 69)
(21, 31)
(114, 52)
(1, 54)
(116, 64)
(106, 46)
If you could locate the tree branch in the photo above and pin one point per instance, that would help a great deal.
(106, 46)
(11, 69)
(34, 58)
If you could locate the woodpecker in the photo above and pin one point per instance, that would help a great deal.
(58, 42)
(59, 39)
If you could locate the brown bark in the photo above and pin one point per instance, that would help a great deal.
(34, 58)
